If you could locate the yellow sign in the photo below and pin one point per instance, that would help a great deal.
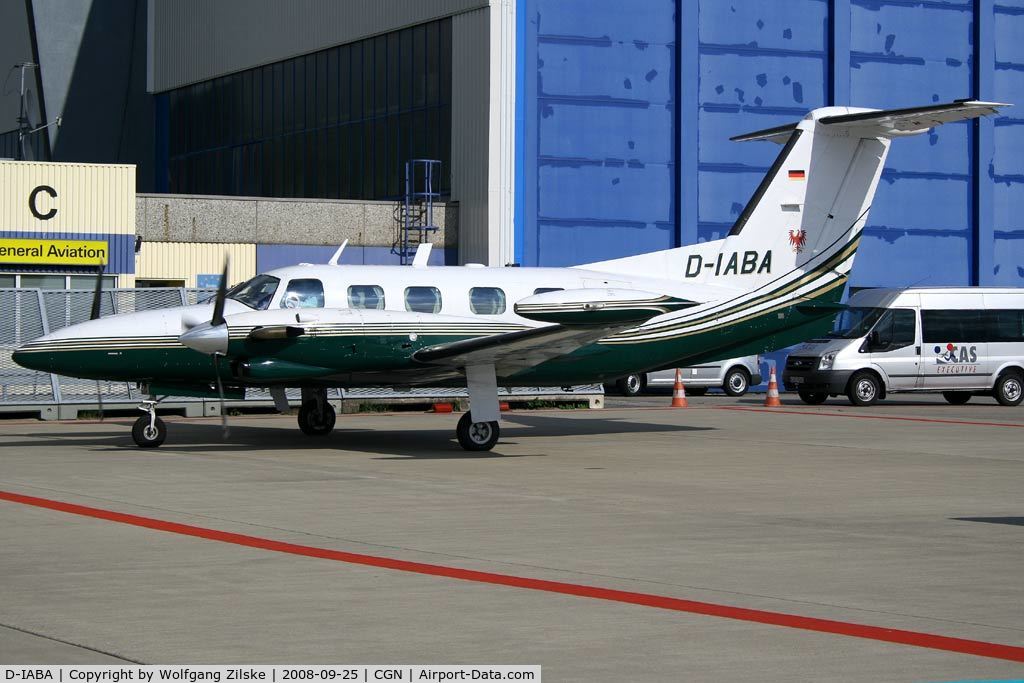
(54, 252)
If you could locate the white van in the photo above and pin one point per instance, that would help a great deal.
(962, 342)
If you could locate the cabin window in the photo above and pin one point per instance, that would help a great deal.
(487, 301)
(423, 299)
(366, 296)
(255, 293)
(304, 293)
(545, 290)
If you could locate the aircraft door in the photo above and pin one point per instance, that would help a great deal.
(895, 347)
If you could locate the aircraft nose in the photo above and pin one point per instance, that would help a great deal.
(207, 338)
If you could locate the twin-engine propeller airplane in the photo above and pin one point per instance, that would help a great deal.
(775, 280)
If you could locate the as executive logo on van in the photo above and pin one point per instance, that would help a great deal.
(953, 360)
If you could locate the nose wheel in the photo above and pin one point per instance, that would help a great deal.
(477, 436)
(316, 416)
(149, 431)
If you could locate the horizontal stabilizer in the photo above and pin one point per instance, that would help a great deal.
(916, 119)
(814, 307)
(883, 122)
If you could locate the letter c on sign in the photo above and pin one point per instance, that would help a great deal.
(32, 202)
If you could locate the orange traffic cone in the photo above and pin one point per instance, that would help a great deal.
(772, 399)
(679, 392)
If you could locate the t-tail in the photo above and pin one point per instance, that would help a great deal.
(808, 213)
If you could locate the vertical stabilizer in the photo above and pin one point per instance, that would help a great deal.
(809, 210)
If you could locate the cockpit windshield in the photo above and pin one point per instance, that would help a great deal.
(255, 293)
(854, 323)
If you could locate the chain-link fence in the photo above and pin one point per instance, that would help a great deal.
(29, 313)
(26, 314)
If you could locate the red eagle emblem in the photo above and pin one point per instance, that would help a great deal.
(797, 240)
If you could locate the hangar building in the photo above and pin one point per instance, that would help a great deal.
(567, 130)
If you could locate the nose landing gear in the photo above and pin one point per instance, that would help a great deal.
(316, 416)
(149, 431)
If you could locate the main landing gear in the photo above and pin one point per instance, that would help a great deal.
(149, 431)
(316, 416)
(477, 436)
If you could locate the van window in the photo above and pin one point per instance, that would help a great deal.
(544, 290)
(1004, 325)
(897, 328)
(366, 296)
(855, 322)
(940, 326)
(487, 301)
(303, 293)
(423, 299)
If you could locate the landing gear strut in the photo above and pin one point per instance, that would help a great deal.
(316, 416)
(478, 429)
(149, 431)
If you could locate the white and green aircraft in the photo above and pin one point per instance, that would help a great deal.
(775, 280)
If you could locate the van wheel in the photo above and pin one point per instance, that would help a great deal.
(737, 381)
(864, 389)
(957, 398)
(632, 385)
(812, 398)
(1008, 390)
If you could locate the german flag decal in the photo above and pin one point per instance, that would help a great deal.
(796, 175)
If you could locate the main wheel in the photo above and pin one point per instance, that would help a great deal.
(957, 398)
(146, 436)
(1008, 389)
(812, 398)
(316, 423)
(631, 385)
(477, 436)
(737, 381)
(864, 389)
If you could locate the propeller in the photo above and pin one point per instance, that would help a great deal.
(225, 430)
(97, 293)
(218, 321)
(222, 293)
(97, 300)
(212, 338)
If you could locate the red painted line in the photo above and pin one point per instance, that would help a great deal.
(874, 417)
(888, 635)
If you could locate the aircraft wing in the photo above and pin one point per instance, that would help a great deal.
(580, 316)
(514, 351)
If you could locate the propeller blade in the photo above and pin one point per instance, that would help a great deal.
(222, 292)
(97, 294)
(220, 394)
(99, 398)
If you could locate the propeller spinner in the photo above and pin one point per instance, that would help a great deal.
(212, 337)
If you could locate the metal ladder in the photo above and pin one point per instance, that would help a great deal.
(416, 212)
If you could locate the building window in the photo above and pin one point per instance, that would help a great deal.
(366, 297)
(339, 123)
(423, 299)
(487, 301)
(55, 281)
